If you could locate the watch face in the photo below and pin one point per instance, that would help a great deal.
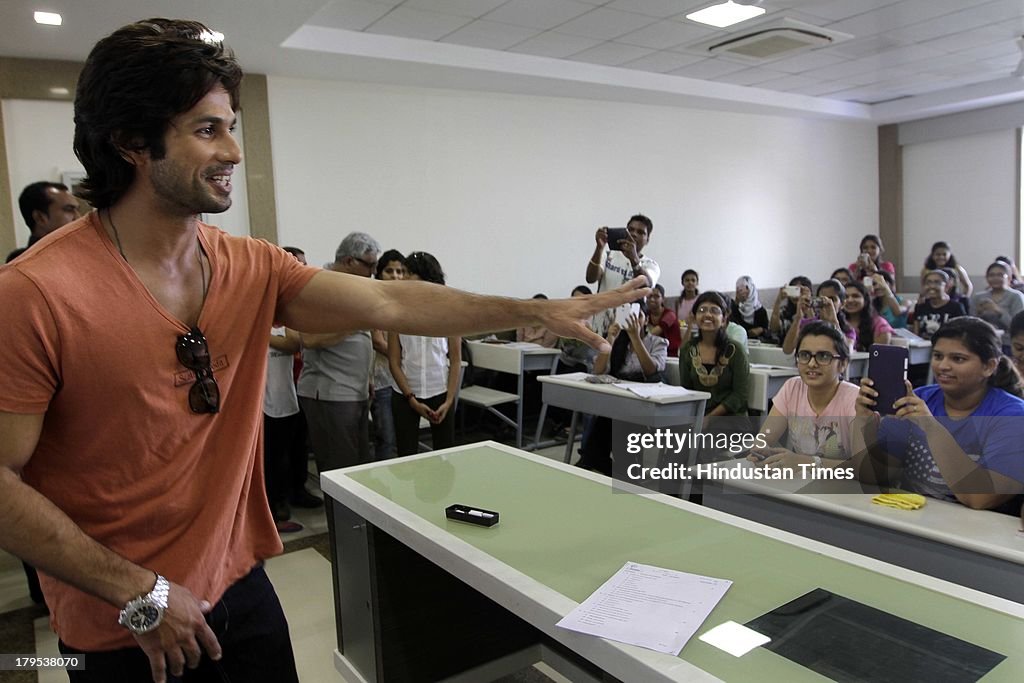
(143, 618)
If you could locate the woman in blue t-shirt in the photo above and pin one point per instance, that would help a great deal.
(960, 438)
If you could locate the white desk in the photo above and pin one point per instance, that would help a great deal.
(516, 358)
(975, 548)
(607, 400)
(771, 354)
(765, 381)
(422, 598)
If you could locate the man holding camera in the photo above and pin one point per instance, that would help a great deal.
(617, 259)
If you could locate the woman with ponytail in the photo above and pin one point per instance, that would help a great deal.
(960, 438)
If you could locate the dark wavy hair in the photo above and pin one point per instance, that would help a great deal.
(387, 257)
(982, 340)
(820, 328)
(929, 262)
(425, 266)
(866, 322)
(721, 338)
(133, 83)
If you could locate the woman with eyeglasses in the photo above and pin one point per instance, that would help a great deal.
(712, 362)
(426, 373)
(999, 303)
(958, 439)
(815, 410)
(860, 314)
(636, 355)
(826, 305)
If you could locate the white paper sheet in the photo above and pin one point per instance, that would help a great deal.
(652, 607)
(653, 390)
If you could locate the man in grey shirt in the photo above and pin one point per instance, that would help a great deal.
(334, 385)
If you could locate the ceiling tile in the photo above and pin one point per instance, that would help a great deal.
(752, 76)
(787, 83)
(655, 8)
(611, 54)
(842, 9)
(490, 34)
(605, 24)
(941, 26)
(543, 14)
(552, 44)
(893, 16)
(353, 15)
(406, 22)
(662, 62)
(979, 37)
(823, 88)
(863, 47)
(664, 34)
(708, 69)
(462, 8)
(1000, 49)
(815, 59)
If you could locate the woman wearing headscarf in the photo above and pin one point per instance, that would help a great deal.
(747, 310)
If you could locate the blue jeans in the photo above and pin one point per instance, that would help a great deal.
(253, 634)
(383, 424)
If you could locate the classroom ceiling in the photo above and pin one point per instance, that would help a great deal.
(882, 60)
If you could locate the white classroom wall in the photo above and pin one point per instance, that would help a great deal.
(507, 190)
(962, 191)
(40, 136)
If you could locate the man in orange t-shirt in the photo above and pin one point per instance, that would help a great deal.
(130, 450)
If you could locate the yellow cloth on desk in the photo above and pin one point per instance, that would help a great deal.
(900, 501)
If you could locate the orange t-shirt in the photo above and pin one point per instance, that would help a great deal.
(120, 452)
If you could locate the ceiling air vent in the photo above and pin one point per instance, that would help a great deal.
(770, 40)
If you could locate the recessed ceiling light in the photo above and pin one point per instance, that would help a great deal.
(725, 14)
(48, 18)
(59, 91)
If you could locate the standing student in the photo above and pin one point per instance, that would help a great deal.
(935, 307)
(714, 363)
(860, 314)
(746, 310)
(941, 256)
(663, 321)
(390, 267)
(870, 259)
(684, 304)
(811, 416)
(131, 468)
(611, 265)
(958, 439)
(426, 373)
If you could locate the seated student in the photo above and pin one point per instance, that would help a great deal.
(537, 334)
(714, 363)
(747, 311)
(887, 303)
(827, 305)
(1017, 341)
(841, 274)
(935, 306)
(870, 260)
(999, 303)
(1015, 280)
(941, 256)
(577, 356)
(784, 309)
(636, 355)
(813, 411)
(870, 327)
(663, 321)
(958, 439)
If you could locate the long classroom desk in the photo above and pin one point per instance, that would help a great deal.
(765, 381)
(422, 598)
(976, 548)
(772, 354)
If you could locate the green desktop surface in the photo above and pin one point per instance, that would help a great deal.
(571, 533)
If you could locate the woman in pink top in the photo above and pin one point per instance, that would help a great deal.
(813, 411)
(870, 260)
(860, 315)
